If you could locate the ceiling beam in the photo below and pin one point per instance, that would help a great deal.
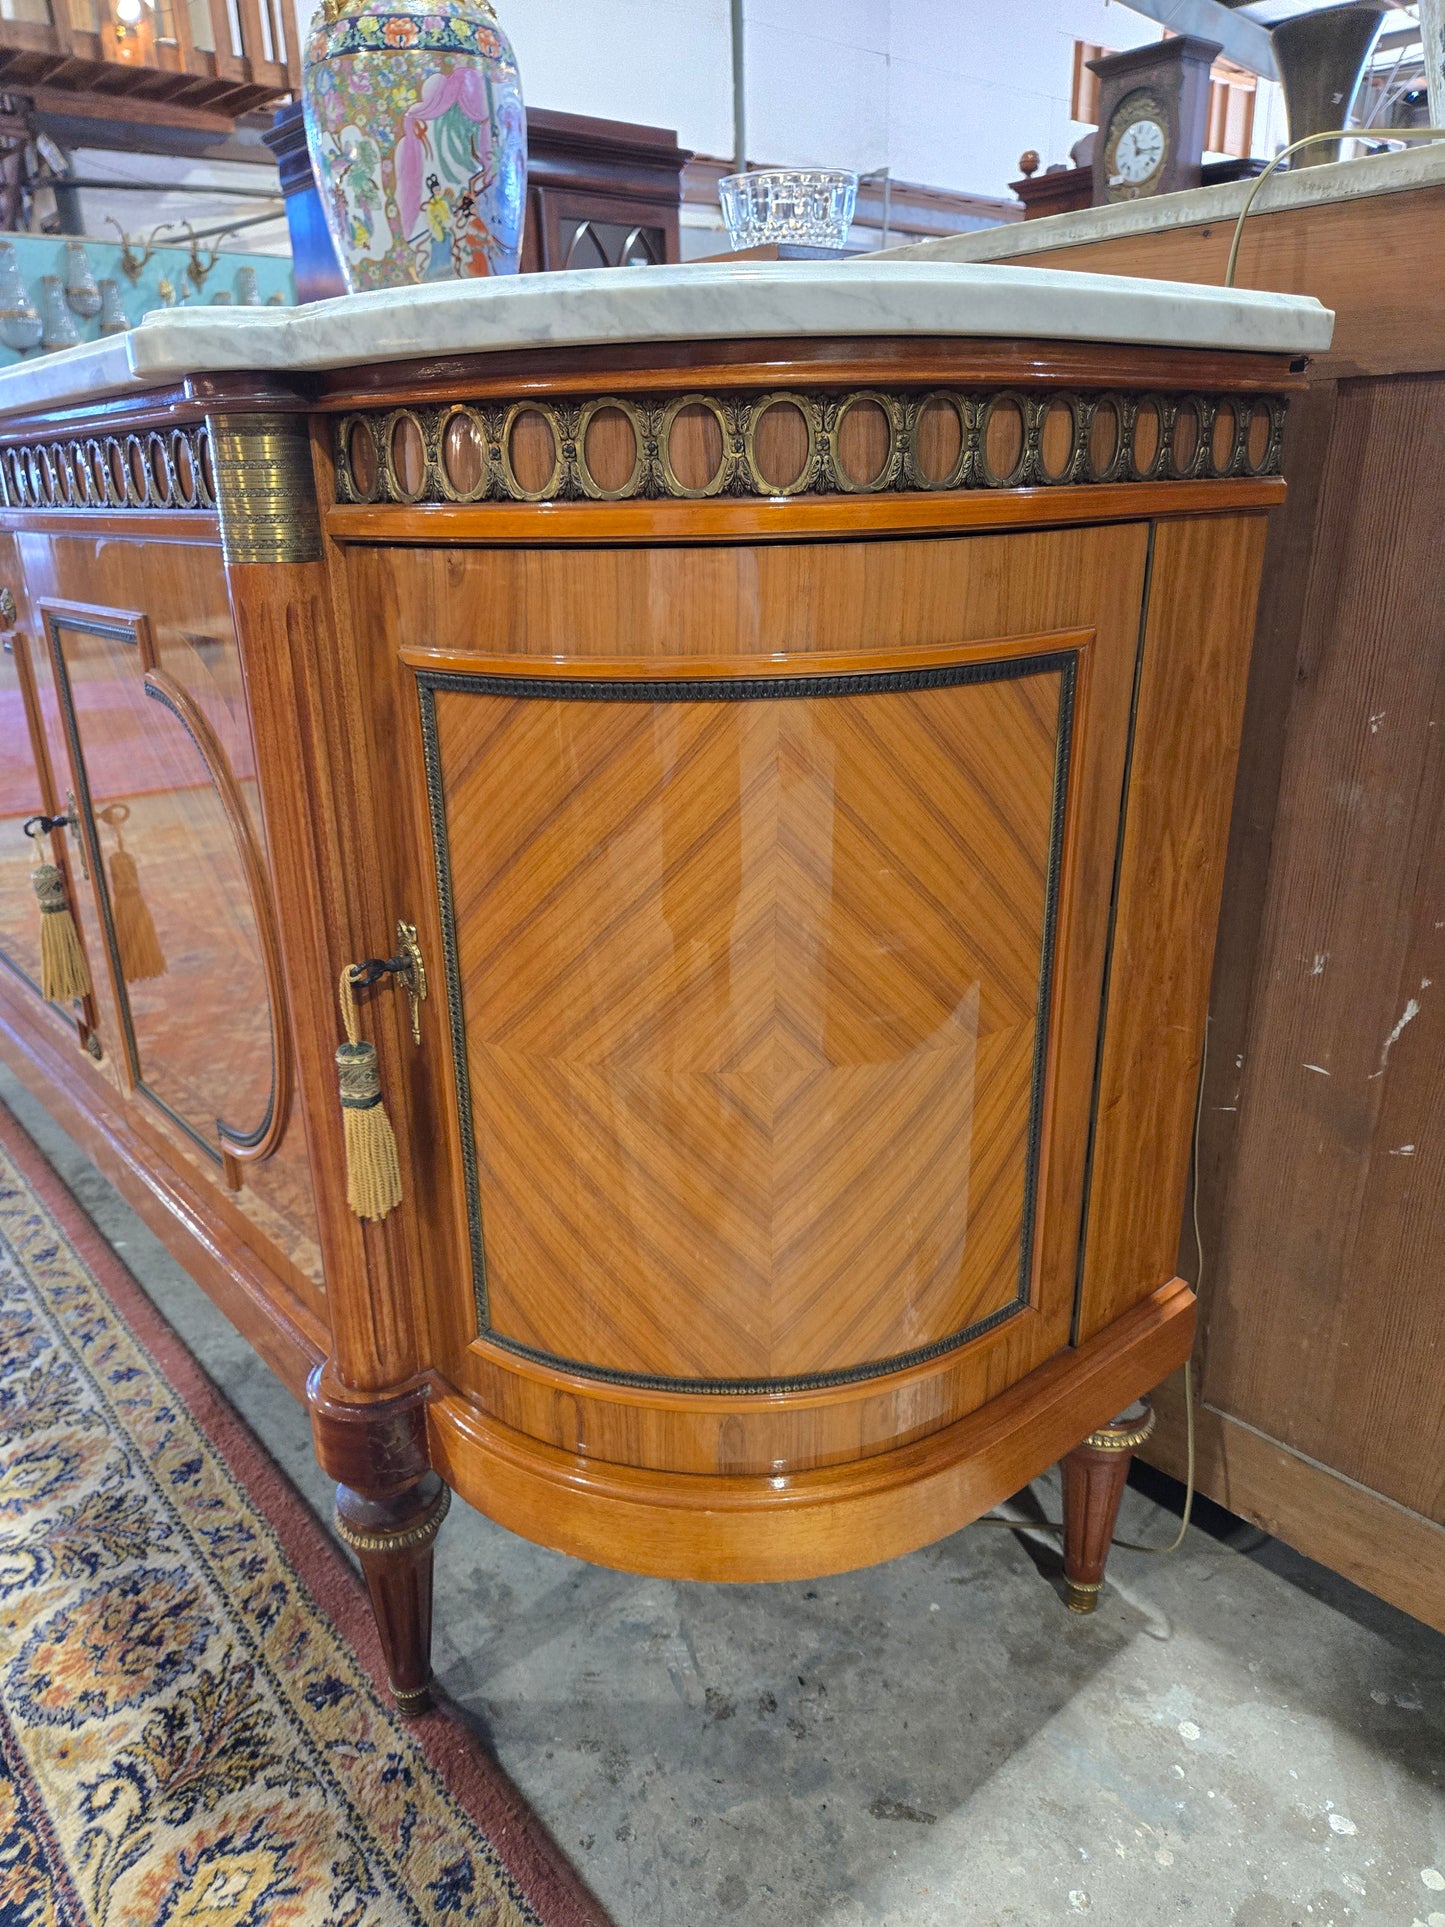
(1242, 39)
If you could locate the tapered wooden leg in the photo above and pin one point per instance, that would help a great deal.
(1094, 1477)
(394, 1539)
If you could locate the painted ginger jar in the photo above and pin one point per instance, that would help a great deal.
(418, 139)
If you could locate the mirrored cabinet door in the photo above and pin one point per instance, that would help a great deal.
(27, 790)
(177, 879)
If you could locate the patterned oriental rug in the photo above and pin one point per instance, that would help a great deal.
(193, 1731)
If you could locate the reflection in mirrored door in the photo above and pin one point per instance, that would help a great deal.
(176, 876)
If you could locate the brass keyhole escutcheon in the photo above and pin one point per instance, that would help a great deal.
(412, 974)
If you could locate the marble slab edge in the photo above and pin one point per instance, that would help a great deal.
(676, 303)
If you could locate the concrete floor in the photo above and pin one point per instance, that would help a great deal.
(1237, 1736)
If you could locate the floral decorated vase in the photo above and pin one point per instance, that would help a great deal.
(418, 138)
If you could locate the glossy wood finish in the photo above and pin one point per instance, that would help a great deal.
(593, 184)
(393, 1538)
(806, 1524)
(778, 521)
(803, 1069)
(261, 1294)
(25, 790)
(771, 610)
(1192, 671)
(921, 361)
(1320, 1202)
(784, 845)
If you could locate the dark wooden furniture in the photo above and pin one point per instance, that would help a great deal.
(1064, 190)
(600, 194)
(1058, 190)
(806, 765)
(1321, 1197)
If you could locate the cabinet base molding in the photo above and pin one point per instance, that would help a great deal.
(178, 1210)
(718, 1527)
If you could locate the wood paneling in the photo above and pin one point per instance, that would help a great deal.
(753, 962)
(922, 361)
(1371, 259)
(1320, 1182)
(194, 1221)
(202, 1023)
(1192, 671)
(1347, 1037)
(659, 522)
(25, 791)
(1381, 1546)
(477, 609)
(763, 609)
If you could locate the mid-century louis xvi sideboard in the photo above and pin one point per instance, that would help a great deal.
(783, 718)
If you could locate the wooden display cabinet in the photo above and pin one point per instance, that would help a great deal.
(807, 765)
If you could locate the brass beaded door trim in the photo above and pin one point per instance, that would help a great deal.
(460, 452)
(168, 469)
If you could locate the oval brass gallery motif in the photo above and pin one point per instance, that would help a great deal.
(785, 443)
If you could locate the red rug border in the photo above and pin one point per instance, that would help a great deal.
(475, 1780)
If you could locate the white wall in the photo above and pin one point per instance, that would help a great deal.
(944, 92)
(947, 93)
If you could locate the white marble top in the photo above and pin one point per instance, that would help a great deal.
(1418, 166)
(726, 301)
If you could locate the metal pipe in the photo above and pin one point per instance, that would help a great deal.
(167, 187)
(740, 91)
(224, 227)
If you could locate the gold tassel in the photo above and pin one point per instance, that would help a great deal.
(140, 950)
(63, 972)
(373, 1175)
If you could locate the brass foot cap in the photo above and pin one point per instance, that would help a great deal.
(409, 1700)
(1083, 1599)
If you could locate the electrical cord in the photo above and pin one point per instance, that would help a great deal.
(1130, 1545)
(1308, 140)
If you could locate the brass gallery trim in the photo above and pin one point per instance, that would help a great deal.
(151, 470)
(255, 469)
(1060, 663)
(1178, 437)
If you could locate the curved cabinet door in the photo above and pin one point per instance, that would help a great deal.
(180, 887)
(774, 976)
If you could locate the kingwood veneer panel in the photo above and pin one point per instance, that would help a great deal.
(752, 998)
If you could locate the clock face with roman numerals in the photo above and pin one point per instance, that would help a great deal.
(1136, 146)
